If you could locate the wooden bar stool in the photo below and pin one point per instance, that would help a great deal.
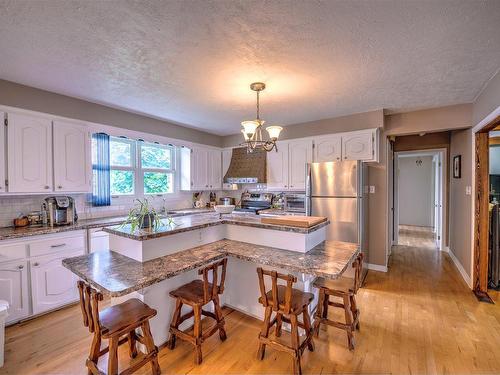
(197, 294)
(345, 289)
(118, 324)
(288, 303)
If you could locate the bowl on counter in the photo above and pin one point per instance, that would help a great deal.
(224, 209)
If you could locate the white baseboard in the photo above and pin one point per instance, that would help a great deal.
(460, 268)
(445, 249)
(376, 267)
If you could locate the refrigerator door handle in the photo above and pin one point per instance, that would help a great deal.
(308, 190)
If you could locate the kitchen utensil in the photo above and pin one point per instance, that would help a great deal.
(227, 201)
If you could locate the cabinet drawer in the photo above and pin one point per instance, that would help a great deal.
(12, 252)
(53, 245)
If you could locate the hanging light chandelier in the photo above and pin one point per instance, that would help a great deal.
(252, 129)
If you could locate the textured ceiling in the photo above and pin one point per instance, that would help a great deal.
(191, 62)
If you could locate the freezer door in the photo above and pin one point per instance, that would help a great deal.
(334, 179)
(343, 215)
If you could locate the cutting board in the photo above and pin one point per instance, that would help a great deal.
(294, 221)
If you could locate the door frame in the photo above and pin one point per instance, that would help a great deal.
(480, 202)
(442, 153)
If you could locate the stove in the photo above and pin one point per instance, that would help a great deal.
(254, 202)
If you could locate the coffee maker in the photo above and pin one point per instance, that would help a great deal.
(61, 210)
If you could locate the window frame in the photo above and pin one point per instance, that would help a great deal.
(132, 168)
(142, 170)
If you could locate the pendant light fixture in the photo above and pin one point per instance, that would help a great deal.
(252, 129)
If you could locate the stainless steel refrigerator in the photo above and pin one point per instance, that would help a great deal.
(336, 190)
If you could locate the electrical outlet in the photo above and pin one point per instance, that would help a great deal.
(468, 190)
(372, 189)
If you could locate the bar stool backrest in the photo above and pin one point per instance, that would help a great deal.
(210, 290)
(290, 279)
(89, 304)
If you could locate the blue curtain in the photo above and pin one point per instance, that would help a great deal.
(101, 191)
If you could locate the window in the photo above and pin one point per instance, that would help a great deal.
(138, 168)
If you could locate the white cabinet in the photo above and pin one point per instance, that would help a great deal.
(199, 164)
(14, 288)
(3, 151)
(358, 146)
(72, 160)
(299, 154)
(52, 285)
(215, 169)
(99, 240)
(328, 148)
(277, 167)
(201, 169)
(29, 153)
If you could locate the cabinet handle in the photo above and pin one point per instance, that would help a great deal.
(338, 158)
(59, 245)
(59, 187)
(20, 267)
(46, 187)
(345, 157)
(36, 264)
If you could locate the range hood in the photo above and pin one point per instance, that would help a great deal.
(246, 168)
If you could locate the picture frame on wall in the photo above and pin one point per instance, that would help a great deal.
(457, 166)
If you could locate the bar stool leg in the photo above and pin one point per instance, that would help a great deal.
(151, 347)
(264, 332)
(355, 311)
(175, 323)
(132, 348)
(348, 321)
(319, 312)
(197, 334)
(220, 318)
(95, 349)
(295, 344)
(279, 323)
(307, 327)
(113, 356)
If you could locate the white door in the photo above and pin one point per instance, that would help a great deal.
(358, 146)
(277, 168)
(327, 149)
(14, 288)
(52, 285)
(199, 168)
(3, 151)
(299, 154)
(29, 153)
(438, 200)
(215, 167)
(72, 163)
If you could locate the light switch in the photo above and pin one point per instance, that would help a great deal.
(468, 190)
(372, 189)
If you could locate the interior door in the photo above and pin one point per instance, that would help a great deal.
(72, 164)
(299, 154)
(14, 288)
(29, 153)
(438, 200)
(3, 188)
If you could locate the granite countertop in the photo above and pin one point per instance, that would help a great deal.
(193, 222)
(9, 233)
(118, 275)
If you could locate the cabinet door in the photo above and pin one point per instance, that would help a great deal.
(215, 168)
(72, 164)
(299, 154)
(99, 241)
(52, 285)
(29, 154)
(2, 156)
(277, 168)
(328, 149)
(358, 146)
(199, 169)
(14, 289)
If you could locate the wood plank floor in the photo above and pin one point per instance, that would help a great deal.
(418, 318)
(412, 235)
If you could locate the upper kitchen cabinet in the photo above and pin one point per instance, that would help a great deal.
(72, 160)
(2, 155)
(359, 146)
(201, 169)
(215, 169)
(277, 167)
(299, 154)
(29, 154)
(328, 148)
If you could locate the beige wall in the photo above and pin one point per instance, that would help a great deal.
(460, 203)
(15, 95)
(429, 120)
(366, 120)
(487, 101)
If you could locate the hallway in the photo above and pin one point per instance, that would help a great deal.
(412, 235)
(418, 318)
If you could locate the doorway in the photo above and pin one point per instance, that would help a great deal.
(419, 190)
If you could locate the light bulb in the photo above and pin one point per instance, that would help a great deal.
(250, 127)
(274, 131)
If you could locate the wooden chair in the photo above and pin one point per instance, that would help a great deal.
(197, 294)
(345, 289)
(118, 324)
(287, 303)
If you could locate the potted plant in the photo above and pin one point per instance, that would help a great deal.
(143, 216)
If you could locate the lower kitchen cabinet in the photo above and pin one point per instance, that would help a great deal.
(14, 289)
(52, 285)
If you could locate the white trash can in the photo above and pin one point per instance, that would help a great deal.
(4, 305)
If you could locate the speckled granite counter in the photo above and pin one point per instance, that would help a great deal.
(193, 222)
(118, 275)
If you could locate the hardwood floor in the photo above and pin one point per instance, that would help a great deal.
(420, 317)
(412, 235)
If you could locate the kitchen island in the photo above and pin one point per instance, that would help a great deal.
(147, 265)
